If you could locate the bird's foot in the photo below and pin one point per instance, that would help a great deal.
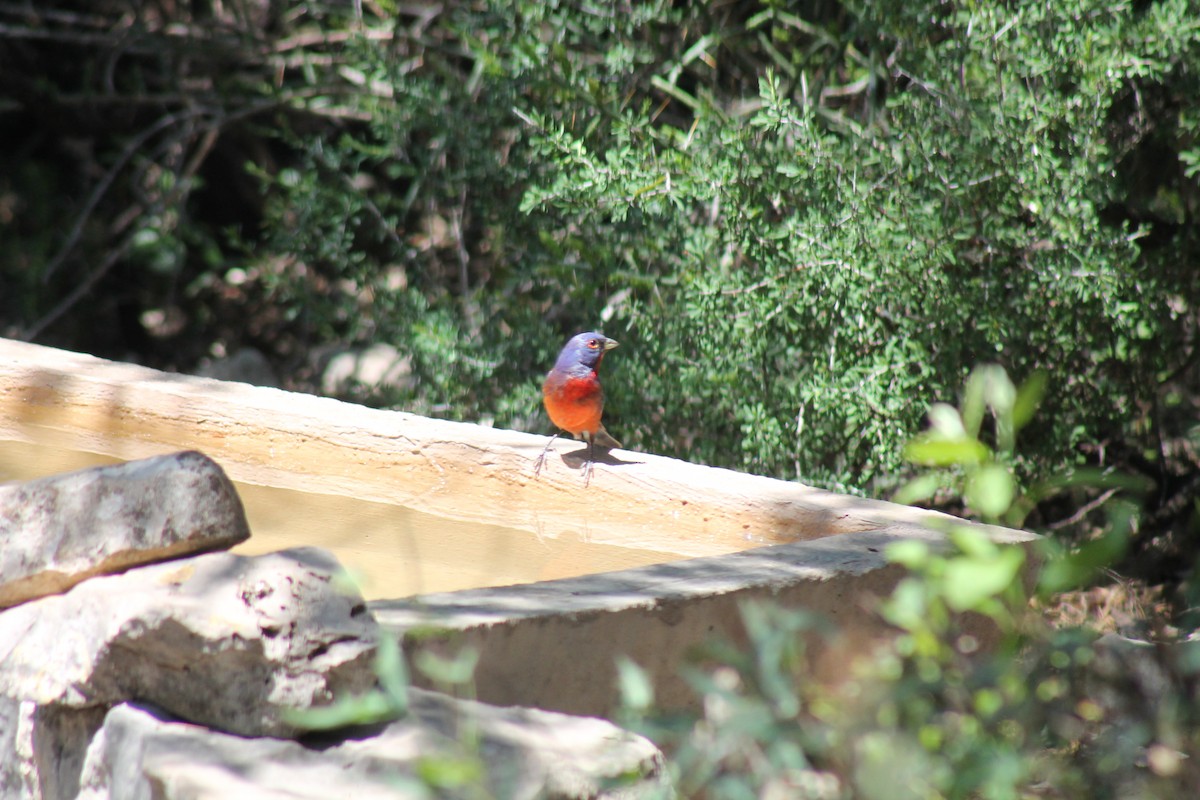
(588, 468)
(541, 459)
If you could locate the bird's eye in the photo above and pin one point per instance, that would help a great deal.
(593, 344)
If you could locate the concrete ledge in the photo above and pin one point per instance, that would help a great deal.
(553, 645)
(454, 470)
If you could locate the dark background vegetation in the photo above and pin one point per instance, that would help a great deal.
(805, 222)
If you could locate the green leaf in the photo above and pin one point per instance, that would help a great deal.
(973, 403)
(637, 692)
(907, 606)
(393, 673)
(945, 422)
(362, 709)
(973, 541)
(988, 386)
(990, 490)
(968, 582)
(918, 489)
(1094, 478)
(911, 553)
(934, 451)
(1068, 571)
(455, 671)
(450, 771)
(1029, 397)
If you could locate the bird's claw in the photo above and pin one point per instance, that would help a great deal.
(541, 459)
(588, 468)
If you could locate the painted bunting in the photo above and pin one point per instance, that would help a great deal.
(573, 396)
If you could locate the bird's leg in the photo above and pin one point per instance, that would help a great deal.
(591, 460)
(537, 465)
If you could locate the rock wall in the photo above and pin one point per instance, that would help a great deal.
(136, 664)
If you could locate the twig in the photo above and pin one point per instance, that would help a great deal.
(207, 141)
(1083, 511)
(102, 187)
(80, 291)
(39, 34)
(26, 11)
(84, 288)
(388, 230)
(308, 39)
(93, 277)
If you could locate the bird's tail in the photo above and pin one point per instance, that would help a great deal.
(602, 438)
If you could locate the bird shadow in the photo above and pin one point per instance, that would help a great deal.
(577, 459)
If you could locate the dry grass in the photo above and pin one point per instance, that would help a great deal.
(1125, 607)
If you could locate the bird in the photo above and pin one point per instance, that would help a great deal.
(573, 396)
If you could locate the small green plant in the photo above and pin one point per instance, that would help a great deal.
(457, 768)
(973, 698)
(757, 735)
(389, 701)
(954, 444)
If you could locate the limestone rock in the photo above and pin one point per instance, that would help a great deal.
(534, 753)
(42, 748)
(61, 530)
(139, 754)
(374, 368)
(227, 641)
(247, 365)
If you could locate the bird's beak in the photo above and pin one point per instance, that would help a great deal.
(609, 344)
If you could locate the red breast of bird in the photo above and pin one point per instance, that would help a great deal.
(572, 392)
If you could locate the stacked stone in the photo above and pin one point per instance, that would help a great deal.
(136, 662)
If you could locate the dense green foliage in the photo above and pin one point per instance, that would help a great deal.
(802, 221)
